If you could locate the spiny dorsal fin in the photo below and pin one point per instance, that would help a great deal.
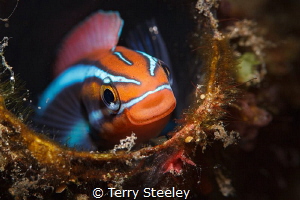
(101, 30)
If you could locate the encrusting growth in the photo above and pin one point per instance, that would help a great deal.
(53, 165)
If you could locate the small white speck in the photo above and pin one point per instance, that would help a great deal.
(155, 29)
(39, 108)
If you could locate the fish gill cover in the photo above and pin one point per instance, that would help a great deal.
(229, 65)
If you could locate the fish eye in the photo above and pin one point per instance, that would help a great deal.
(110, 96)
(167, 71)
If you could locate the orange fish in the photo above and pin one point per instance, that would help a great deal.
(103, 92)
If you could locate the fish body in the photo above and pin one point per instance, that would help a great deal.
(103, 92)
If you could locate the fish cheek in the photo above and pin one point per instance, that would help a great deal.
(90, 91)
(112, 131)
(120, 127)
(91, 103)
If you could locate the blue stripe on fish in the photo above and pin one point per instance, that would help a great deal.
(96, 116)
(120, 55)
(76, 135)
(77, 74)
(152, 62)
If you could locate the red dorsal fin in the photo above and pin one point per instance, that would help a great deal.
(101, 30)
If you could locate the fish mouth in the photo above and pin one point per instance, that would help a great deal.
(152, 108)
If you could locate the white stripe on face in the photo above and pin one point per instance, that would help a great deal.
(140, 98)
(152, 62)
(120, 55)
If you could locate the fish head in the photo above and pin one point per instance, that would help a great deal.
(134, 97)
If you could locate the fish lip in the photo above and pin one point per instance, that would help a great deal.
(170, 104)
(151, 119)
